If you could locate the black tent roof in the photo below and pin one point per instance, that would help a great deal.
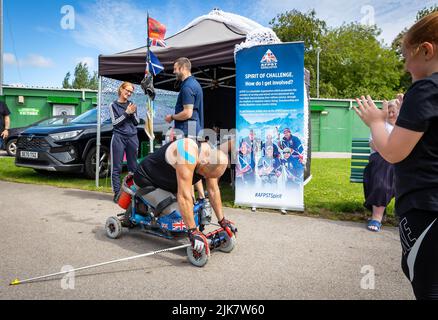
(208, 43)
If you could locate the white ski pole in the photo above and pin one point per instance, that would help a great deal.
(17, 282)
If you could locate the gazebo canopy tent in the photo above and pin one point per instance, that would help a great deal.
(209, 43)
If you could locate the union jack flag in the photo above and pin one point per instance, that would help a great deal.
(179, 225)
(157, 43)
(269, 57)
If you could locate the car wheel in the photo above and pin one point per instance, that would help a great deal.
(11, 147)
(104, 163)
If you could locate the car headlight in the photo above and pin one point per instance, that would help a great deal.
(65, 135)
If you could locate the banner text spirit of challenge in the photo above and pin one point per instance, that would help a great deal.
(266, 79)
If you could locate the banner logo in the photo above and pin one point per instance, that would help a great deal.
(269, 60)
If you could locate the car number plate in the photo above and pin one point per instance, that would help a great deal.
(29, 154)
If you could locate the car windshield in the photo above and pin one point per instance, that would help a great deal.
(54, 121)
(89, 117)
(86, 118)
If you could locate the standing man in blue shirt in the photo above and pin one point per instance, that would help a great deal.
(189, 108)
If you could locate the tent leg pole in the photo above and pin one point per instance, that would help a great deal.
(99, 103)
(151, 139)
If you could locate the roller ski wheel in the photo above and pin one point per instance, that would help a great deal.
(113, 227)
(229, 244)
(198, 259)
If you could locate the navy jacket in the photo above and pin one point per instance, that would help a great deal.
(123, 123)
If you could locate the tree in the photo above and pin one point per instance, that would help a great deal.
(94, 81)
(297, 26)
(352, 61)
(82, 78)
(66, 83)
(355, 63)
(426, 11)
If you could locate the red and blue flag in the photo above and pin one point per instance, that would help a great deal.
(157, 32)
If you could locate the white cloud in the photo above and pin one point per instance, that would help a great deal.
(32, 60)
(394, 16)
(88, 60)
(111, 26)
(9, 59)
(46, 30)
(179, 15)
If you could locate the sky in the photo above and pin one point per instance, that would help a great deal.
(45, 39)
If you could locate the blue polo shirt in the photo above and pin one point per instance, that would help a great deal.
(190, 93)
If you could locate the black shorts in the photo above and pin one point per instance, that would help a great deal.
(419, 240)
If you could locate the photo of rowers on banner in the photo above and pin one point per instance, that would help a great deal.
(275, 162)
(292, 157)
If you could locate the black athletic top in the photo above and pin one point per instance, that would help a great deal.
(161, 174)
(417, 175)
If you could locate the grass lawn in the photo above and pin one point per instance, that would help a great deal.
(9, 172)
(329, 194)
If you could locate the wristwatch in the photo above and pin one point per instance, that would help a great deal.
(171, 117)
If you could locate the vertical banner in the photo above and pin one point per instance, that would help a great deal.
(270, 126)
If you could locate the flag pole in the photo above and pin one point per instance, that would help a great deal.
(147, 46)
(149, 106)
